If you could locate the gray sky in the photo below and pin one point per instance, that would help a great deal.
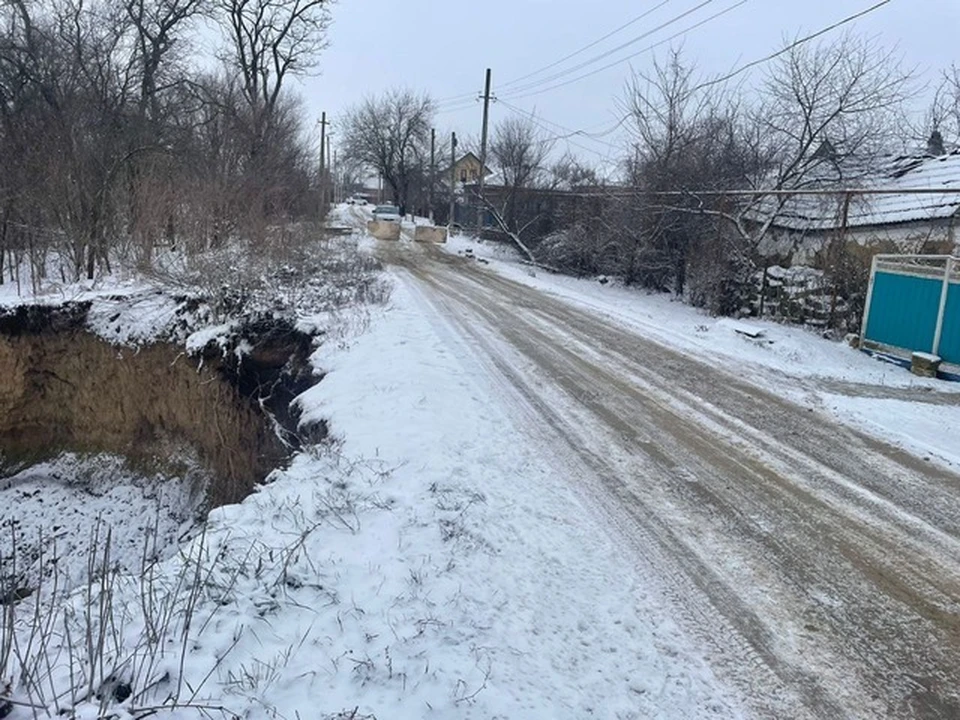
(443, 48)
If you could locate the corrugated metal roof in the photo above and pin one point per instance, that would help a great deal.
(905, 173)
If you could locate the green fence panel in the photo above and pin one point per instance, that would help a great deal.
(903, 311)
(950, 335)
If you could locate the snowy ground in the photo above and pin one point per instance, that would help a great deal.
(428, 564)
(454, 582)
(59, 508)
(434, 561)
(921, 415)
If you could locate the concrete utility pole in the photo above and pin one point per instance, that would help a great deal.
(337, 188)
(323, 162)
(433, 169)
(483, 149)
(333, 167)
(453, 177)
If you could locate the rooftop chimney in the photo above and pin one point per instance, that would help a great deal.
(935, 144)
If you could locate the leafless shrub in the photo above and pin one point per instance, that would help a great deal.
(119, 640)
(292, 275)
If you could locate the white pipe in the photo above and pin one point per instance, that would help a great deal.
(866, 305)
(944, 291)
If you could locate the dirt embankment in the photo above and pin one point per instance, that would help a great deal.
(63, 388)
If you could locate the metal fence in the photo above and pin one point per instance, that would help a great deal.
(913, 305)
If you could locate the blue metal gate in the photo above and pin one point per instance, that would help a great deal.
(913, 304)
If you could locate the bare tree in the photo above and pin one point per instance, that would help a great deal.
(687, 136)
(391, 136)
(112, 143)
(519, 151)
(832, 109)
(270, 40)
(158, 28)
(943, 116)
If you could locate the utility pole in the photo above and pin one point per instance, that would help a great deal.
(433, 169)
(453, 178)
(337, 186)
(323, 162)
(333, 167)
(483, 150)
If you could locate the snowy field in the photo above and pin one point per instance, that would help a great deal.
(921, 415)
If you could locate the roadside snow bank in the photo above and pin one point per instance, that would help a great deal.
(445, 568)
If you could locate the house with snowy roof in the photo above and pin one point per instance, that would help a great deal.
(892, 217)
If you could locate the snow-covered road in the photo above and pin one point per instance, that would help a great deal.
(817, 566)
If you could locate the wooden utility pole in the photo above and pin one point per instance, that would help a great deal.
(323, 163)
(483, 150)
(453, 177)
(433, 170)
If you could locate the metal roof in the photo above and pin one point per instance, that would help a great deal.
(905, 174)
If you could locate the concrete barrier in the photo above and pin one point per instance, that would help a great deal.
(430, 234)
(383, 230)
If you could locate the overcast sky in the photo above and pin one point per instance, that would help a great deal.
(443, 47)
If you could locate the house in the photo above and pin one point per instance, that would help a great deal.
(896, 218)
(467, 170)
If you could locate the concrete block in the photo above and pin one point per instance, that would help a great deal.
(383, 230)
(924, 364)
(430, 234)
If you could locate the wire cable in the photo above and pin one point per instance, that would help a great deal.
(618, 48)
(610, 34)
(792, 45)
(518, 94)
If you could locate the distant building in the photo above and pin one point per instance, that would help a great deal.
(466, 170)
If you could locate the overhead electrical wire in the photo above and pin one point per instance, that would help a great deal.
(569, 131)
(593, 44)
(607, 53)
(791, 46)
(456, 99)
(552, 136)
(519, 94)
(772, 56)
(624, 26)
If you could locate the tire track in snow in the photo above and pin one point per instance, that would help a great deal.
(862, 532)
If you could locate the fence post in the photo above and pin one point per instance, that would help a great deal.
(866, 304)
(944, 291)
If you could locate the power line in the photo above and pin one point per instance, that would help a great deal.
(461, 97)
(627, 24)
(570, 132)
(618, 48)
(715, 81)
(519, 94)
(552, 136)
(792, 45)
